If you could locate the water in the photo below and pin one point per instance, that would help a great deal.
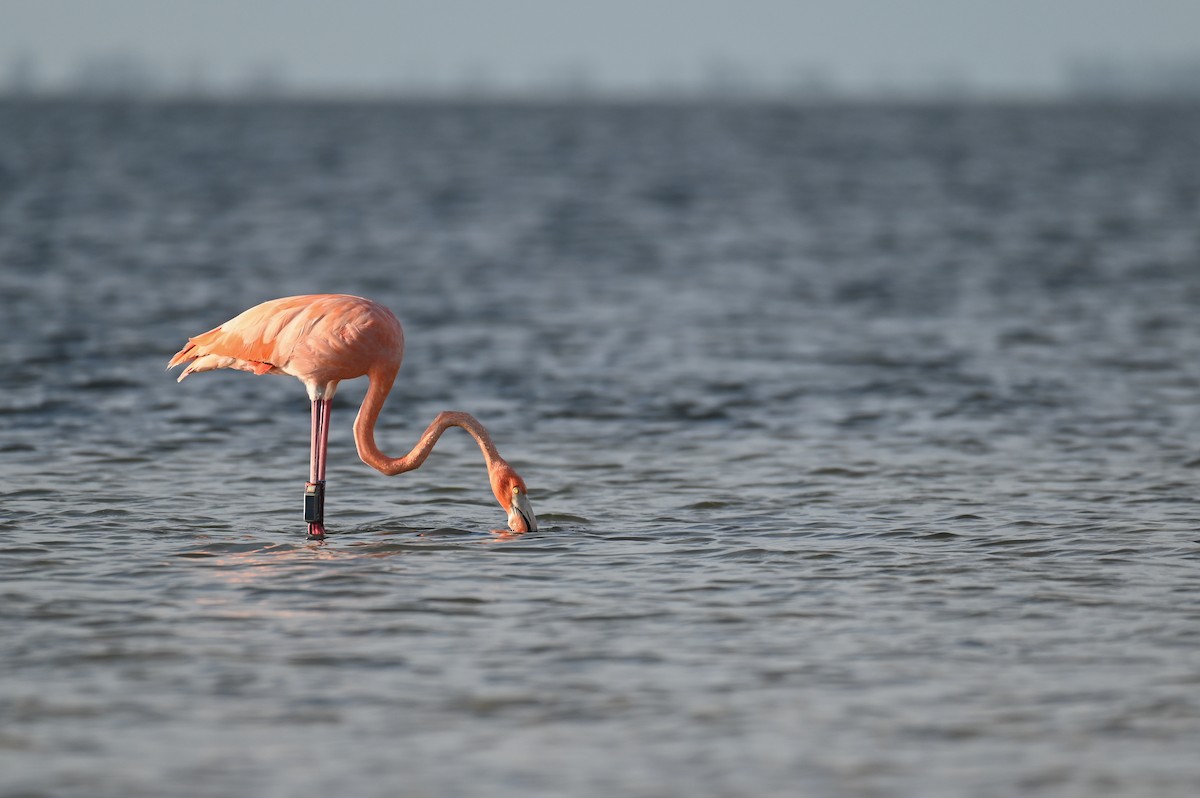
(864, 442)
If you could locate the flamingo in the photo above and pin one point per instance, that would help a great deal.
(321, 340)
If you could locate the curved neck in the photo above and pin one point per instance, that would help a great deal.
(368, 450)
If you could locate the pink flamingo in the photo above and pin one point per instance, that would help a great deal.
(321, 340)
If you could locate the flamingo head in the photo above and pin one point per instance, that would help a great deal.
(510, 491)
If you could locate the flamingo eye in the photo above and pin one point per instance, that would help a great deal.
(516, 489)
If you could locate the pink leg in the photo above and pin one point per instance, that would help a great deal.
(315, 437)
(323, 444)
(314, 490)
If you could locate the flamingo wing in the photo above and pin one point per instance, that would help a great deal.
(259, 340)
(321, 338)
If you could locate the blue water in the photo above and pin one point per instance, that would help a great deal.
(864, 442)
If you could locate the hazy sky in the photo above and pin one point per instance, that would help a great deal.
(1007, 45)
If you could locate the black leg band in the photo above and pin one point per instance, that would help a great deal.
(314, 502)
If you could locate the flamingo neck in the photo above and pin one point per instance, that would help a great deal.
(368, 450)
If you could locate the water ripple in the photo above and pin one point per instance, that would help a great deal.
(862, 440)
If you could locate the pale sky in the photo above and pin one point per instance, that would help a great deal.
(327, 45)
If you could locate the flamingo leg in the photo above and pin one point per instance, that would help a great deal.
(314, 489)
(323, 444)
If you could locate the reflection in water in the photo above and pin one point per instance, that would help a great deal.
(248, 562)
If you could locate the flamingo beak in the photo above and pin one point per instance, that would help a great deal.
(520, 514)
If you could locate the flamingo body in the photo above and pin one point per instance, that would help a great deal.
(322, 339)
(319, 339)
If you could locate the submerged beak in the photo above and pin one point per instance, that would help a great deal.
(520, 514)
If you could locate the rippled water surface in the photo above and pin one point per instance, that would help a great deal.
(864, 441)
